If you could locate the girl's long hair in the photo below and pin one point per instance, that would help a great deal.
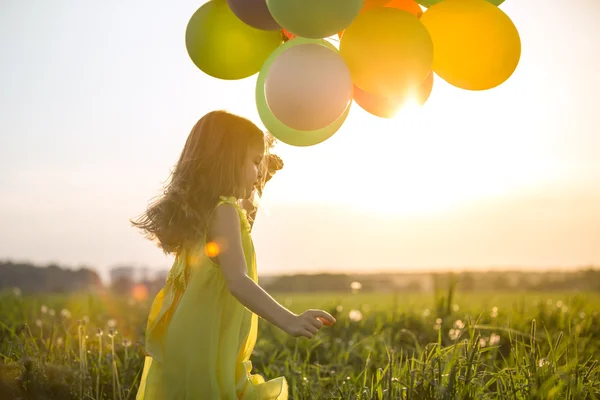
(211, 165)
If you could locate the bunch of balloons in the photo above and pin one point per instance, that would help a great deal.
(388, 53)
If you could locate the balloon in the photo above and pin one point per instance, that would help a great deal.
(407, 5)
(308, 87)
(387, 51)
(387, 107)
(281, 131)
(254, 13)
(429, 3)
(477, 46)
(422, 92)
(314, 18)
(224, 47)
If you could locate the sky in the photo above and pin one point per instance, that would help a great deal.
(97, 100)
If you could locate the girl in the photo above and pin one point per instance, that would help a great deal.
(202, 325)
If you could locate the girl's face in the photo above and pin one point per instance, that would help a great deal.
(252, 169)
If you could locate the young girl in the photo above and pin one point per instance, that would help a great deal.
(202, 325)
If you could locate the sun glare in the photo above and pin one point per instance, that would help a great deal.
(409, 109)
(427, 159)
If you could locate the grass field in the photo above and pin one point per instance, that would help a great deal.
(384, 346)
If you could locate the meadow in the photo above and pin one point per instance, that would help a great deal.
(445, 345)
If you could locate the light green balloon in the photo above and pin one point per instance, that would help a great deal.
(429, 3)
(224, 47)
(281, 131)
(314, 19)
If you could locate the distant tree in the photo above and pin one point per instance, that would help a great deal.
(50, 279)
(413, 286)
(500, 282)
(466, 282)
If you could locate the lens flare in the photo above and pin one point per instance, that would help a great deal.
(211, 249)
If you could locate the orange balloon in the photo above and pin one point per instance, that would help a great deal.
(388, 107)
(407, 5)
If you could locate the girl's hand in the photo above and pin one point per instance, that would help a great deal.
(273, 163)
(308, 323)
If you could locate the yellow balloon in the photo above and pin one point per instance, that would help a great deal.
(387, 51)
(476, 45)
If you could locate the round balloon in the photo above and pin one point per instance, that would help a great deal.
(477, 46)
(224, 47)
(314, 19)
(308, 87)
(281, 131)
(429, 3)
(387, 51)
(254, 13)
(387, 107)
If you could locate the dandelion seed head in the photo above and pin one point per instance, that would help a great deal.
(355, 315)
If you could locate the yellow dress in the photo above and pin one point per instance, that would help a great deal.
(199, 338)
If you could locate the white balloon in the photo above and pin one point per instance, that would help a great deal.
(308, 87)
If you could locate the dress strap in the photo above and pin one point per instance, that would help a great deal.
(241, 211)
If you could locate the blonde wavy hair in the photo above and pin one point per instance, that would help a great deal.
(211, 165)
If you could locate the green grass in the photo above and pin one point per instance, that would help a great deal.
(384, 346)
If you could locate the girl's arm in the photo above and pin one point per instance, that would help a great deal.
(225, 231)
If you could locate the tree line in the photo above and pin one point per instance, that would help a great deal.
(29, 278)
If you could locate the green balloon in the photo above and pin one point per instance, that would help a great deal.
(429, 3)
(224, 47)
(281, 131)
(314, 19)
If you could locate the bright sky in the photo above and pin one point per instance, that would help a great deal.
(97, 99)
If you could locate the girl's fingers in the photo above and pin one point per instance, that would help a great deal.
(312, 329)
(316, 322)
(324, 317)
(307, 334)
